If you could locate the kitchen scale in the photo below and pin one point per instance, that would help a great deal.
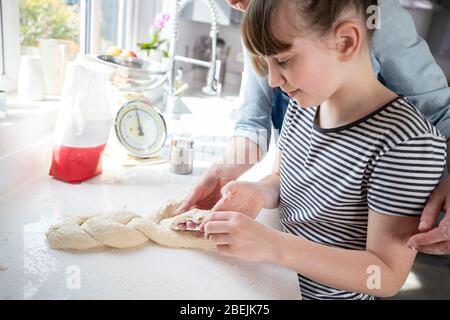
(139, 127)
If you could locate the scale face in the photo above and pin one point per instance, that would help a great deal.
(140, 128)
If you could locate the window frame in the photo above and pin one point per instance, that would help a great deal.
(10, 45)
(90, 25)
(85, 26)
(2, 44)
(128, 18)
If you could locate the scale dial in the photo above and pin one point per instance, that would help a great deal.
(140, 128)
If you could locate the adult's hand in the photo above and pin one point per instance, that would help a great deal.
(207, 192)
(240, 5)
(434, 240)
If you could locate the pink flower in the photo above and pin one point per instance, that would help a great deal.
(159, 24)
(166, 17)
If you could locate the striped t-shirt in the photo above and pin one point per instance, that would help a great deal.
(389, 161)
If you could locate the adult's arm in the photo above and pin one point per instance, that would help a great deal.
(407, 66)
(247, 147)
(255, 107)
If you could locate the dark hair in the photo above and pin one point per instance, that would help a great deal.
(318, 15)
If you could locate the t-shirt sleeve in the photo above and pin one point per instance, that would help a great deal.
(403, 178)
(290, 114)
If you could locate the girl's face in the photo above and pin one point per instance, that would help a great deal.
(310, 72)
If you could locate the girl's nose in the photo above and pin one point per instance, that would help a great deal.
(276, 79)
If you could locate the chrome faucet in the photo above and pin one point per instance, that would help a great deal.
(213, 85)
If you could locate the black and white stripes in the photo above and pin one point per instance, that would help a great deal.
(390, 161)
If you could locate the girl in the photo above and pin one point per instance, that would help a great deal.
(355, 166)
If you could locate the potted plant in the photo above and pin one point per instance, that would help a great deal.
(157, 48)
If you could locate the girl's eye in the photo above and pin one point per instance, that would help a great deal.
(284, 62)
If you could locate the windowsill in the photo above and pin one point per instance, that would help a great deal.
(20, 109)
(26, 122)
(26, 139)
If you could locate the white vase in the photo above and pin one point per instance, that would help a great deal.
(156, 55)
(54, 57)
(30, 85)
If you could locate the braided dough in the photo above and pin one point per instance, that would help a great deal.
(194, 215)
(127, 230)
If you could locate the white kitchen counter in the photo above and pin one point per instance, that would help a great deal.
(30, 270)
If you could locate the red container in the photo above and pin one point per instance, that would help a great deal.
(75, 165)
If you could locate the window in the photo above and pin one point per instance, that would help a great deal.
(48, 19)
(93, 24)
(109, 23)
(106, 24)
(90, 25)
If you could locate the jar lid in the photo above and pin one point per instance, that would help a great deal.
(183, 140)
(182, 143)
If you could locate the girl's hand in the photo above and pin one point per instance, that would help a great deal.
(240, 196)
(236, 234)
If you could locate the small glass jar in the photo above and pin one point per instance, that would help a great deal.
(182, 155)
(2, 104)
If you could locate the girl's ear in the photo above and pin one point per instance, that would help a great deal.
(349, 37)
